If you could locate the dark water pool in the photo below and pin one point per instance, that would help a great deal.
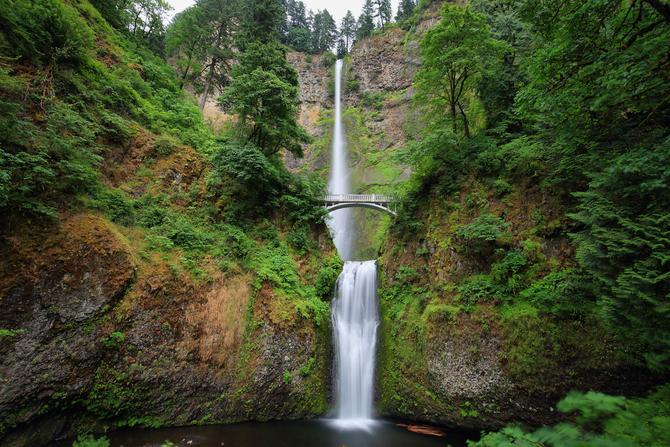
(315, 433)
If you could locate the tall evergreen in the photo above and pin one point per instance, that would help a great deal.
(384, 12)
(366, 21)
(262, 22)
(405, 10)
(348, 29)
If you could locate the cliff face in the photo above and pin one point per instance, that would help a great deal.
(478, 333)
(376, 113)
(118, 325)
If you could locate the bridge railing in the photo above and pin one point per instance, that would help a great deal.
(374, 198)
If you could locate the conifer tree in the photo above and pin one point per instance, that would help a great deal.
(384, 12)
(348, 29)
(366, 21)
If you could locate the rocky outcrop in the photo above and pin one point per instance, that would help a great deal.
(468, 344)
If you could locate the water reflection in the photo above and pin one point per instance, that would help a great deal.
(316, 433)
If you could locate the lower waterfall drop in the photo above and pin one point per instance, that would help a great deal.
(355, 321)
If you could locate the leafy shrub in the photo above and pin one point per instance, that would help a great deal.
(328, 59)
(325, 283)
(623, 245)
(307, 369)
(299, 240)
(36, 162)
(153, 216)
(116, 205)
(618, 422)
(501, 188)
(247, 177)
(302, 196)
(482, 289)
(90, 441)
(114, 340)
(372, 100)
(520, 157)
(45, 31)
(276, 266)
(181, 232)
(485, 228)
(563, 292)
(510, 270)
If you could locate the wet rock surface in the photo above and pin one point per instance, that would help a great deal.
(104, 340)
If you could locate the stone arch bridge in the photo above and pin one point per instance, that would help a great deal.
(377, 202)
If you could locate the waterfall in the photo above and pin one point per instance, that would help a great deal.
(354, 314)
(339, 175)
(355, 328)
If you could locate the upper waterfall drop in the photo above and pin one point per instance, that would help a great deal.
(339, 175)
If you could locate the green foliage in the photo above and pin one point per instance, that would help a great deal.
(328, 59)
(307, 369)
(90, 441)
(117, 206)
(8, 334)
(114, 340)
(44, 31)
(521, 158)
(640, 422)
(38, 162)
(263, 95)
(566, 292)
(625, 246)
(328, 274)
(372, 100)
(456, 54)
(485, 228)
(287, 378)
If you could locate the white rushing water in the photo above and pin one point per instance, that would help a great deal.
(355, 324)
(355, 318)
(339, 176)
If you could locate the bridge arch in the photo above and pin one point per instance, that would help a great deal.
(371, 206)
(376, 202)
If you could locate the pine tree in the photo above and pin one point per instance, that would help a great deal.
(384, 12)
(366, 21)
(405, 10)
(348, 29)
(262, 22)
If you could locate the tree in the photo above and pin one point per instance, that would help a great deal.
(598, 76)
(348, 29)
(497, 90)
(222, 16)
(324, 32)
(405, 10)
(456, 54)
(263, 95)
(187, 42)
(262, 21)
(341, 49)
(384, 12)
(366, 21)
(598, 86)
(145, 17)
(298, 32)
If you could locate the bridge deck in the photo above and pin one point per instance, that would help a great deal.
(364, 198)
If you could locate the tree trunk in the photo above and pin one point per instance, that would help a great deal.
(465, 122)
(453, 117)
(208, 82)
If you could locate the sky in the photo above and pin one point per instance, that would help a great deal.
(338, 9)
